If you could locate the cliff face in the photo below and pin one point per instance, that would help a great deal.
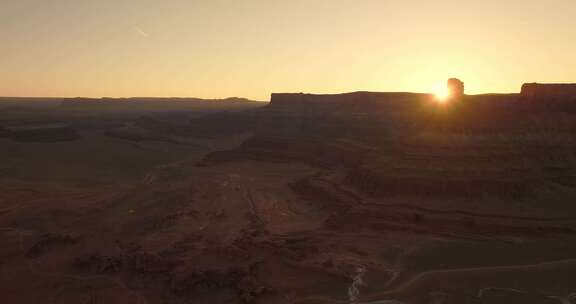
(356, 102)
(549, 91)
(403, 144)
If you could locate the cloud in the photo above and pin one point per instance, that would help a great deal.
(141, 32)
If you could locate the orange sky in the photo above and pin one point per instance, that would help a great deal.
(250, 48)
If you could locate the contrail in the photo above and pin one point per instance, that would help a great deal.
(141, 32)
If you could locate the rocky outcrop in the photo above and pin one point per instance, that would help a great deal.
(456, 88)
(549, 91)
(403, 144)
(550, 97)
(349, 103)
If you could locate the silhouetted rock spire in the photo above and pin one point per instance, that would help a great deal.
(456, 88)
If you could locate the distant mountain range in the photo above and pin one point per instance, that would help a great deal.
(132, 103)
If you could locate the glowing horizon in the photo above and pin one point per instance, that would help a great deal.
(252, 48)
(442, 93)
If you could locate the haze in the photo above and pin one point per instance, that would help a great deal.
(251, 48)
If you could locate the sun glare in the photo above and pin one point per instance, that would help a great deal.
(441, 93)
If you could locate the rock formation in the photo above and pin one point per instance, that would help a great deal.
(350, 103)
(456, 88)
(396, 144)
(549, 91)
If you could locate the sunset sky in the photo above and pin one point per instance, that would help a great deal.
(251, 48)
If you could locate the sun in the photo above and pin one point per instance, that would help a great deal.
(442, 93)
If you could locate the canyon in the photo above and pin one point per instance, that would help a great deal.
(361, 197)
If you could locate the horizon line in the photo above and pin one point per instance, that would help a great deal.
(237, 97)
